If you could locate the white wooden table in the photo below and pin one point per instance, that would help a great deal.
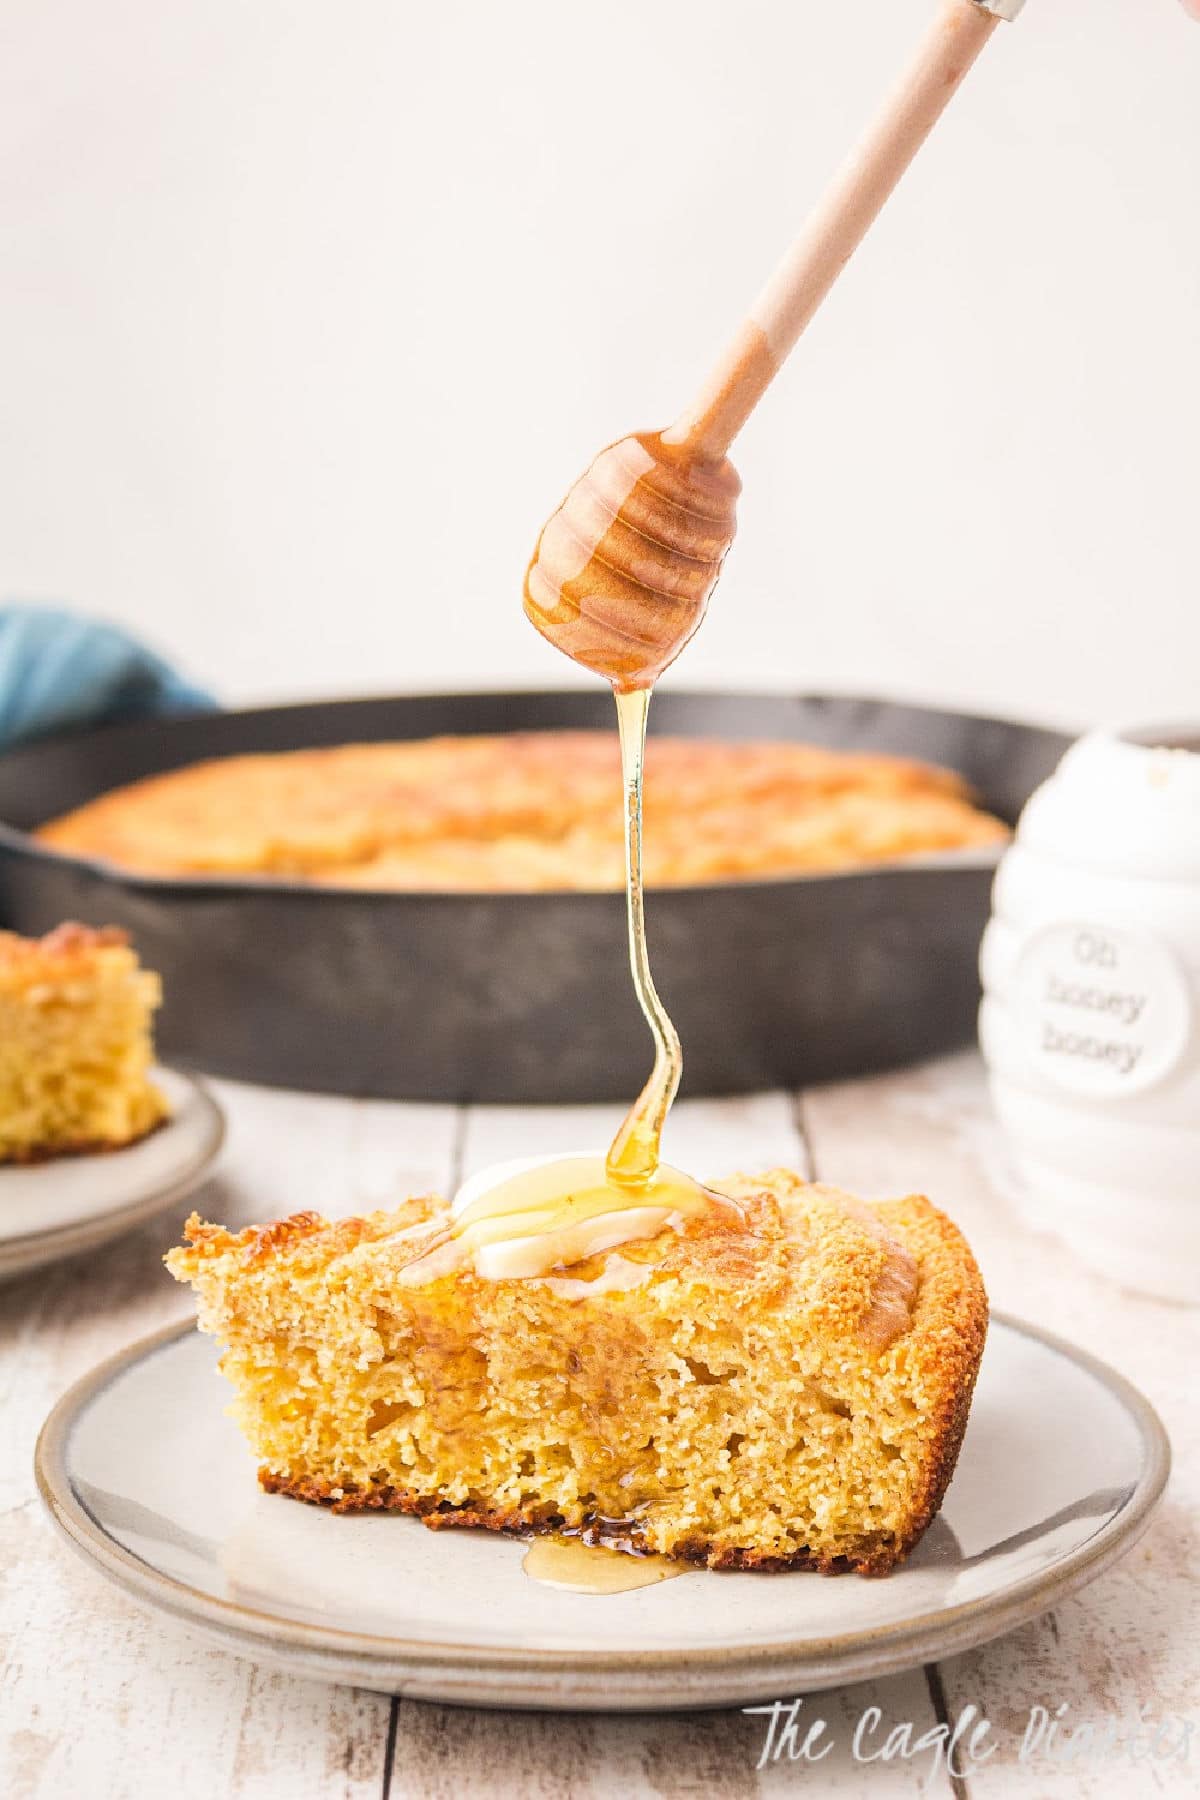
(102, 1701)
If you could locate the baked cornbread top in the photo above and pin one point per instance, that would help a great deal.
(69, 951)
(854, 1270)
(526, 810)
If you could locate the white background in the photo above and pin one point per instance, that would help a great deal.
(310, 311)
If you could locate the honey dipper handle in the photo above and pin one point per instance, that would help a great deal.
(838, 225)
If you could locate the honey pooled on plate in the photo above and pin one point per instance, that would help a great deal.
(586, 1568)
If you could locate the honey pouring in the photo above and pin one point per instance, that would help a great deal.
(619, 582)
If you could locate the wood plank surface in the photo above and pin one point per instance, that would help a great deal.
(102, 1701)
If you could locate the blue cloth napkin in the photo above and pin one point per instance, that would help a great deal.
(59, 671)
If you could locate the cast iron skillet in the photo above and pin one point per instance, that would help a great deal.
(524, 997)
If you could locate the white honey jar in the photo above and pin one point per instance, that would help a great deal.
(1090, 1023)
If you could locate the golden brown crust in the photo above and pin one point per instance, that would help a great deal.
(751, 1248)
(526, 811)
(440, 1515)
(66, 940)
(70, 949)
(955, 1323)
(307, 1234)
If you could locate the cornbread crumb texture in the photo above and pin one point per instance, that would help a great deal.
(526, 810)
(75, 1043)
(788, 1391)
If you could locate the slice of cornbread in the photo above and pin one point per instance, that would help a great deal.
(784, 1388)
(75, 1044)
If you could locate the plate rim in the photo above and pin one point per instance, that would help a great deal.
(32, 1249)
(891, 1647)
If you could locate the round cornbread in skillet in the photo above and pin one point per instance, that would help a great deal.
(533, 810)
(787, 1389)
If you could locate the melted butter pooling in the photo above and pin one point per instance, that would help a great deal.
(556, 1213)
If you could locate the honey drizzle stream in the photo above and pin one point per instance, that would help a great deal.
(549, 1217)
(634, 1153)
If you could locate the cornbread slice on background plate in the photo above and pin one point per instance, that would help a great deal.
(75, 1044)
(780, 1385)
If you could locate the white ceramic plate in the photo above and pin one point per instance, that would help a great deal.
(1062, 1464)
(58, 1208)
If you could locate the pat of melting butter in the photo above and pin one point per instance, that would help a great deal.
(528, 1219)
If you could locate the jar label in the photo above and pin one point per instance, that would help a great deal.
(1100, 1009)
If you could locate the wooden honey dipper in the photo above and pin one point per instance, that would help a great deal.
(623, 570)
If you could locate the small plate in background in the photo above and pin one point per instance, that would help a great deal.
(71, 1203)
